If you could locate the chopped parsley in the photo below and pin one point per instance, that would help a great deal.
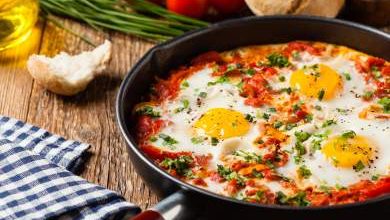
(298, 159)
(318, 108)
(300, 149)
(272, 109)
(348, 134)
(339, 187)
(214, 141)
(249, 118)
(257, 174)
(375, 72)
(328, 123)
(304, 172)
(282, 78)
(249, 156)
(185, 84)
(266, 116)
(375, 177)
(239, 86)
(185, 103)
(287, 90)
(290, 126)
(302, 136)
(148, 110)
(231, 67)
(385, 102)
(347, 76)
(220, 80)
(342, 111)
(295, 54)
(229, 174)
(278, 124)
(153, 139)
(321, 94)
(197, 140)
(367, 95)
(180, 164)
(168, 140)
(308, 118)
(298, 199)
(250, 72)
(359, 166)
(203, 94)
(278, 60)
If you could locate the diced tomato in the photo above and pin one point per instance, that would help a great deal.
(232, 187)
(301, 114)
(269, 71)
(256, 91)
(208, 57)
(203, 160)
(365, 67)
(168, 89)
(250, 192)
(158, 154)
(383, 89)
(386, 71)
(374, 61)
(300, 47)
(319, 199)
(199, 182)
(214, 176)
(236, 166)
(148, 127)
(250, 182)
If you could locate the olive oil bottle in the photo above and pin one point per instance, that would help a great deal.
(17, 19)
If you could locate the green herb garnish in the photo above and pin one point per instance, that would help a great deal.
(359, 166)
(321, 94)
(148, 110)
(304, 172)
(348, 134)
(181, 164)
(385, 102)
(214, 141)
(168, 140)
(278, 60)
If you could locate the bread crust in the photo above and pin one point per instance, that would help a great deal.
(296, 7)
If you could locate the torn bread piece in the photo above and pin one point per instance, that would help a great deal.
(68, 75)
(296, 7)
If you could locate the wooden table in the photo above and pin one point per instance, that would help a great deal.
(89, 116)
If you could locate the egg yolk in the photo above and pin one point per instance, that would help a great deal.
(314, 80)
(223, 123)
(347, 152)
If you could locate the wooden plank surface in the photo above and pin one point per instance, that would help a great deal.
(89, 116)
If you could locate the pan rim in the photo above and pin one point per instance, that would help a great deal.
(121, 119)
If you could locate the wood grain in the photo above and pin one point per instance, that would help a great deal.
(89, 116)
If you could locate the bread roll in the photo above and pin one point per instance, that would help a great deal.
(327, 8)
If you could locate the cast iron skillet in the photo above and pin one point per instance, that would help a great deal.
(182, 198)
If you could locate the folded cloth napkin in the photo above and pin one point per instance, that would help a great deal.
(36, 181)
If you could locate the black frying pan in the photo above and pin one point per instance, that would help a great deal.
(184, 201)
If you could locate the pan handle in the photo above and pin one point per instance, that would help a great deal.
(174, 207)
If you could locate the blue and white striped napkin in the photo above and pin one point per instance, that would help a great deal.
(36, 181)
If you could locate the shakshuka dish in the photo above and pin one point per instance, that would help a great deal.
(299, 124)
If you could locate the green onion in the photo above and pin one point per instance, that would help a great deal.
(137, 17)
